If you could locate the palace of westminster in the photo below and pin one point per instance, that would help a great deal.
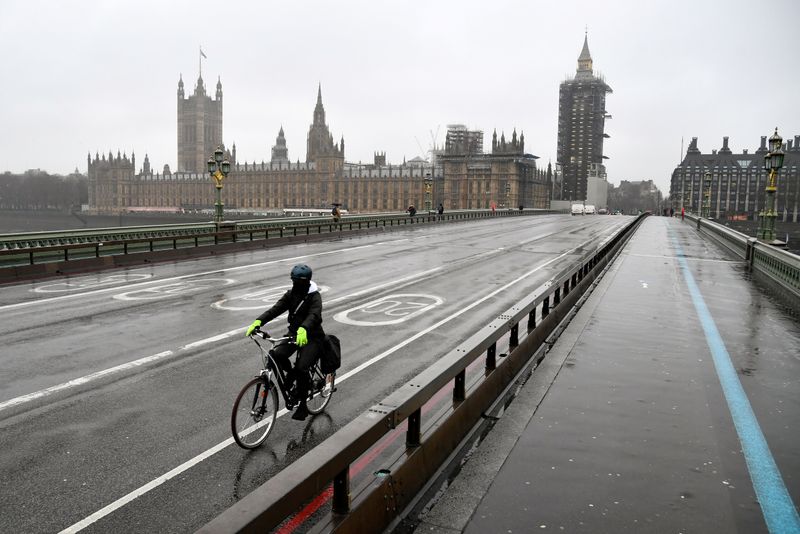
(461, 176)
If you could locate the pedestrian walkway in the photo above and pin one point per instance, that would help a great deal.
(670, 404)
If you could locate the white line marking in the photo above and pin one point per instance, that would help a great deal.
(119, 503)
(83, 380)
(88, 378)
(162, 280)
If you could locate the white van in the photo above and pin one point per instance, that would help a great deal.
(577, 209)
(588, 209)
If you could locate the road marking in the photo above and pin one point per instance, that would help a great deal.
(122, 501)
(193, 345)
(262, 298)
(397, 308)
(63, 287)
(83, 380)
(777, 507)
(175, 289)
(216, 271)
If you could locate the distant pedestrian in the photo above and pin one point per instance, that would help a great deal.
(412, 210)
(683, 212)
(521, 207)
(336, 214)
(440, 209)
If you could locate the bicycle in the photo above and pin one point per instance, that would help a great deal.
(256, 406)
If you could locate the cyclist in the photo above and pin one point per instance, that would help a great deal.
(304, 304)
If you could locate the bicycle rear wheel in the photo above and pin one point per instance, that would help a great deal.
(254, 413)
(322, 388)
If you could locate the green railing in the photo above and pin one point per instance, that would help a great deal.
(781, 266)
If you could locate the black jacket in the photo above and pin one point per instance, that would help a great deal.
(303, 311)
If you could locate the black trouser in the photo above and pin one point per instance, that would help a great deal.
(306, 358)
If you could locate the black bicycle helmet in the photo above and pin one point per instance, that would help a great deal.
(301, 272)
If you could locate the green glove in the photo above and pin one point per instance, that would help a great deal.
(302, 337)
(252, 327)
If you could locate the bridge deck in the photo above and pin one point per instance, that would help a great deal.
(636, 421)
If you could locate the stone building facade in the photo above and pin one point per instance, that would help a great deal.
(506, 178)
(199, 126)
(737, 181)
(464, 177)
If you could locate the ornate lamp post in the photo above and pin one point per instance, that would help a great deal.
(773, 162)
(428, 192)
(218, 168)
(707, 196)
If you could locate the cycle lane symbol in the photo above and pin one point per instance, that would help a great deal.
(63, 287)
(258, 300)
(391, 309)
(174, 289)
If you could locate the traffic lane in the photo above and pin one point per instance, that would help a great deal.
(141, 449)
(172, 504)
(762, 337)
(155, 309)
(69, 285)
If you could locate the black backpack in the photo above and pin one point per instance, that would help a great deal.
(331, 358)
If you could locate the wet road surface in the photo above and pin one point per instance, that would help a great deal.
(629, 425)
(116, 387)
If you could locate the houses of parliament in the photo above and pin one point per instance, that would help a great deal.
(461, 175)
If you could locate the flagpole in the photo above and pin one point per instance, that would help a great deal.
(200, 60)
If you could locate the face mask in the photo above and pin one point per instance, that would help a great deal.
(300, 287)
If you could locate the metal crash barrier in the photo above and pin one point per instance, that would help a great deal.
(376, 503)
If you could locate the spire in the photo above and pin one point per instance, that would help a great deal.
(219, 88)
(319, 111)
(585, 59)
(180, 86)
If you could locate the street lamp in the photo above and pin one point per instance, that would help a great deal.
(773, 162)
(428, 191)
(707, 196)
(218, 168)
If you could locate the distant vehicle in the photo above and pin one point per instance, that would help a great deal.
(577, 209)
(588, 209)
(602, 211)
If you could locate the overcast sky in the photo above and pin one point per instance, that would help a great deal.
(86, 76)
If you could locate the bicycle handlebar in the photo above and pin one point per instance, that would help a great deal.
(265, 335)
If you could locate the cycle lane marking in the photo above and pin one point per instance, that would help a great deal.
(193, 345)
(173, 278)
(122, 501)
(16, 401)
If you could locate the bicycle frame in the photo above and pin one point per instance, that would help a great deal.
(270, 367)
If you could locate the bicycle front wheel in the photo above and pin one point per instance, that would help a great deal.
(254, 413)
(322, 387)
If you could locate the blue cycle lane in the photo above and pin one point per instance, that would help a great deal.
(670, 404)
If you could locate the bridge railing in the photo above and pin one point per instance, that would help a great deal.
(45, 247)
(428, 443)
(779, 265)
